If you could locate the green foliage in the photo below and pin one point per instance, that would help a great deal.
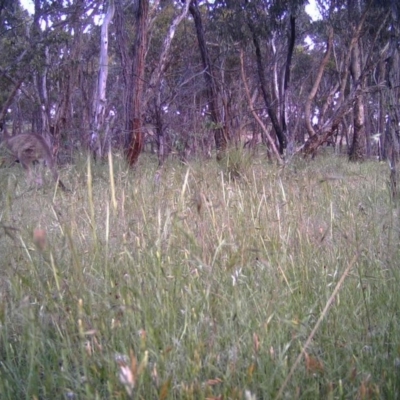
(13, 42)
(231, 18)
(195, 286)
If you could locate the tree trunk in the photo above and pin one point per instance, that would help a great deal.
(317, 82)
(40, 77)
(126, 65)
(331, 126)
(134, 121)
(220, 134)
(155, 82)
(266, 96)
(265, 131)
(160, 133)
(382, 114)
(392, 92)
(357, 148)
(71, 72)
(100, 101)
(343, 102)
(286, 81)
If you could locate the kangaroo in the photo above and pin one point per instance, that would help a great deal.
(28, 148)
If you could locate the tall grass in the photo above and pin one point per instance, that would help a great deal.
(196, 283)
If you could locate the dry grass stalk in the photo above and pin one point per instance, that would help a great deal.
(320, 319)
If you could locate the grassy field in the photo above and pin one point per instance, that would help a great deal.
(188, 284)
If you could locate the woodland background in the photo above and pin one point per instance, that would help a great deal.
(188, 77)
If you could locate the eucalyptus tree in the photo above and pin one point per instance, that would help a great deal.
(134, 120)
(53, 51)
(16, 54)
(154, 94)
(154, 34)
(58, 28)
(355, 50)
(100, 119)
(269, 28)
(391, 95)
(220, 133)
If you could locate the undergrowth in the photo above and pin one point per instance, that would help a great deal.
(197, 282)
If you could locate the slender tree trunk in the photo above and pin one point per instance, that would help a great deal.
(160, 132)
(317, 82)
(220, 134)
(134, 121)
(126, 65)
(155, 81)
(343, 103)
(357, 148)
(382, 114)
(100, 101)
(275, 92)
(286, 82)
(264, 89)
(271, 142)
(40, 76)
(72, 71)
(392, 92)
